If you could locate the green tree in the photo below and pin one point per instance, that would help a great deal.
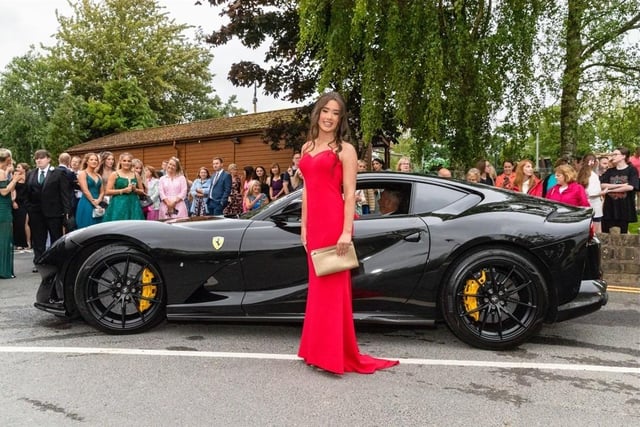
(133, 41)
(597, 53)
(441, 69)
(616, 126)
(116, 65)
(30, 93)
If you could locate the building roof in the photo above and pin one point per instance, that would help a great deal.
(211, 128)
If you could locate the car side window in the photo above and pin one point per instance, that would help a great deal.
(430, 197)
(291, 213)
(385, 198)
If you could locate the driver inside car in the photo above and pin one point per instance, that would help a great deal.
(389, 202)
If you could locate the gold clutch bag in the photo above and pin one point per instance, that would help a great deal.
(326, 261)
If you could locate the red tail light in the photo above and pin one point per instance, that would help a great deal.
(592, 230)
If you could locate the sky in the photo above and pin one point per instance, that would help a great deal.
(33, 22)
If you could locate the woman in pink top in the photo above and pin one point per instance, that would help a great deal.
(173, 190)
(567, 190)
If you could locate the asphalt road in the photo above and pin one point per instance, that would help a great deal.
(57, 373)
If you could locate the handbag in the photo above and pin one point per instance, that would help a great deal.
(145, 201)
(97, 212)
(326, 261)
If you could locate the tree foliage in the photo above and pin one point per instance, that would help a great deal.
(441, 69)
(598, 54)
(30, 93)
(115, 65)
(132, 43)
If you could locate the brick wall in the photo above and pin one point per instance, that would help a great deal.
(621, 258)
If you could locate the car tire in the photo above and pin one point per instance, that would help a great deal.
(494, 299)
(119, 290)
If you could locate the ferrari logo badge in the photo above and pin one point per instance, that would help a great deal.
(217, 242)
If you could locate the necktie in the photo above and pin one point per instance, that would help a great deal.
(213, 183)
(41, 177)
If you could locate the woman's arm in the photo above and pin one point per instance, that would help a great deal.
(84, 187)
(616, 188)
(141, 187)
(249, 204)
(182, 190)
(163, 196)
(11, 185)
(197, 185)
(303, 224)
(349, 160)
(153, 189)
(111, 182)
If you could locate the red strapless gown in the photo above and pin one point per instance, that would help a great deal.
(328, 334)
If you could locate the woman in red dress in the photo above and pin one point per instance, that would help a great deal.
(329, 165)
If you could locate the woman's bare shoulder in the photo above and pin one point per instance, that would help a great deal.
(347, 151)
(306, 146)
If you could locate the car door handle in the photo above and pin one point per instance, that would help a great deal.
(415, 237)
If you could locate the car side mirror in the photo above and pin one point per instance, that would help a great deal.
(291, 213)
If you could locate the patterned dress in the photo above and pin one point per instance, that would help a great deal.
(235, 198)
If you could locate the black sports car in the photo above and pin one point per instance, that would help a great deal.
(493, 264)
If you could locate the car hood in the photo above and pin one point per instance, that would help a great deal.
(149, 232)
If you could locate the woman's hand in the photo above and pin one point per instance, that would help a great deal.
(303, 237)
(343, 244)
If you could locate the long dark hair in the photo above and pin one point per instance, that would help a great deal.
(587, 165)
(342, 130)
(249, 173)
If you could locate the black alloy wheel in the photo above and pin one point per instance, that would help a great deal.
(119, 290)
(494, 299)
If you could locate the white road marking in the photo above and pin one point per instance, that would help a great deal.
(272, 356)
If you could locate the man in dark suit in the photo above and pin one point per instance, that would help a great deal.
(48, 202)
(64, 164)
(220, 188)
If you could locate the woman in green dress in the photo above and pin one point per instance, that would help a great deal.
(7, 186)
(125, 188)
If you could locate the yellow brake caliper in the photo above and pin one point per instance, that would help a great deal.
(471, 302)
(148, 290)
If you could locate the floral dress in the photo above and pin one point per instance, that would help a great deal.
(235, 198)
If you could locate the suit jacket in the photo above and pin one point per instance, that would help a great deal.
(219, 193)
(53, 197)
(73, 185)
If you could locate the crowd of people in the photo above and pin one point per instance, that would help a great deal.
(608, 184)
(80, 192)
(39, 205)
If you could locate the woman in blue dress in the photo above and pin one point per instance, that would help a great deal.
(90, 183)
(124, 187)
(200, 193)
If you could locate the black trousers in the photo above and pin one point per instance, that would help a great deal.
(41, 228)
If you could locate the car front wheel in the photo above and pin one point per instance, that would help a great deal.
(119, 290)
(494, 299)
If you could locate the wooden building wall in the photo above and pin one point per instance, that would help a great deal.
(194, 154)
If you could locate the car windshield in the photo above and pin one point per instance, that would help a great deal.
(272, 206)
